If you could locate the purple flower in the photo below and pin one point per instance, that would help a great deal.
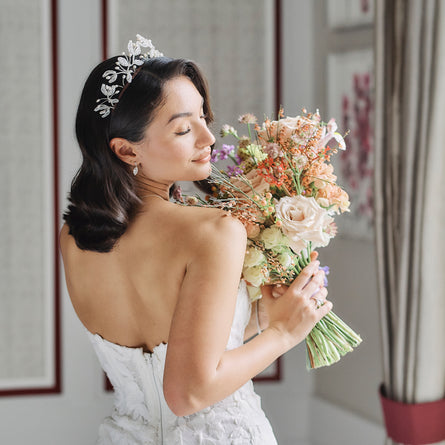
(226, 150)
(234, 170)
(220, 154)
(325, 269)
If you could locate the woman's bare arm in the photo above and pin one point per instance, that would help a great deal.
(199, 371)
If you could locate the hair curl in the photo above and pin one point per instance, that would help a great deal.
(103, 199)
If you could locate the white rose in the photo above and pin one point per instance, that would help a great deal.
(272, 237)
(254, 257)
(255, 276)
(303, 220)
(285, 260)
(254, 293)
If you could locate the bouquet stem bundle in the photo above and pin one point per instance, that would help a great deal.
(330, 339)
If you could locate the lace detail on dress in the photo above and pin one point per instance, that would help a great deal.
(141, 415)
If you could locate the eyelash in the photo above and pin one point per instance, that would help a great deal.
(183, 133)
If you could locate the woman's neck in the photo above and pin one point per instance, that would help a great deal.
(147, 188)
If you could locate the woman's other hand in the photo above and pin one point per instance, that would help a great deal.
(293, 311)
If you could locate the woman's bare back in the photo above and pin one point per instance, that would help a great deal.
(128, 295)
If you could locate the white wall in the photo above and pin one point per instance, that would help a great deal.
(72, 417)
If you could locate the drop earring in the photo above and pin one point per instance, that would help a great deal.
(135, 170)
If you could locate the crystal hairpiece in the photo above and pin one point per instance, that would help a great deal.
(123, 73)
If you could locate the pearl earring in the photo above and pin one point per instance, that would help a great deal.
(135, 170)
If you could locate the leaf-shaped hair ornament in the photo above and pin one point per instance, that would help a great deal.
(123, 73)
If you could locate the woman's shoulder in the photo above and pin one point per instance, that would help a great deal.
(206, 223)
(65, 239)
(68, 247)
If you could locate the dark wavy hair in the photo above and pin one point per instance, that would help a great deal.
(103, 198)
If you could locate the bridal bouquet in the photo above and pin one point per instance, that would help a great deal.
(281, 186)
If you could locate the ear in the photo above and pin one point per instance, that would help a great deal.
(124, 150)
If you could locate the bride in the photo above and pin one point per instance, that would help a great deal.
(157, 285)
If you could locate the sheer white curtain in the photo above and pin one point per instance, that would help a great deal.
(410, 197)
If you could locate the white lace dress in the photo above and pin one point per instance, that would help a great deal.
(141, 415)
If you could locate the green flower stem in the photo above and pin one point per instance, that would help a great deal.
(295, 176)
(250, 132)
(334, 320)
(320, 350)
(330, 339)
(335, 337)
(326, 352)
(233, 158)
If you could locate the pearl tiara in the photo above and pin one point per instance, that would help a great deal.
(123, 73)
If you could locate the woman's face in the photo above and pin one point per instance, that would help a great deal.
(176, 146)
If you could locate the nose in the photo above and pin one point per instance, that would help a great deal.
(206, 137)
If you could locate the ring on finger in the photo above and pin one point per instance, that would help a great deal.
(318, 303)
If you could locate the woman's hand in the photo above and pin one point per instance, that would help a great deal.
(293, 311)
(259, 318)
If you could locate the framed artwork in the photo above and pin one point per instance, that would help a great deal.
(350, 100)
(237, 44)
(29, 268)
(232, 41)
(350, 13)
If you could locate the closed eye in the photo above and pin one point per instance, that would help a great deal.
(182, 133)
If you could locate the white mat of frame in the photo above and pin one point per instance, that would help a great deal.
(26, 192)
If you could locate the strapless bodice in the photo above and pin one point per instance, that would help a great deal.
(142, 416)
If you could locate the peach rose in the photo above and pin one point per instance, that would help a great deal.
(335, 196)
(257, 182)
(322, 175)
(286, 127)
